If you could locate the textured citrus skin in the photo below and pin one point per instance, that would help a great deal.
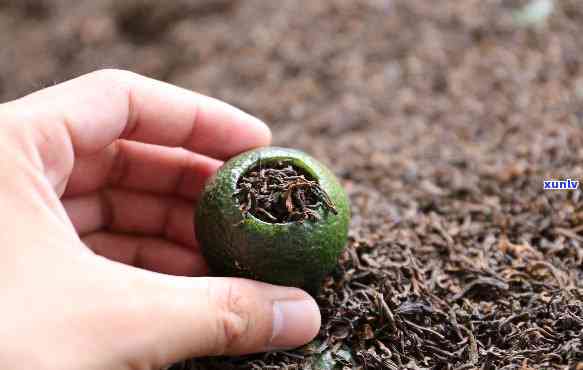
(292, 254)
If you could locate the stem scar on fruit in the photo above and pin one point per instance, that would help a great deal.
(277, 212)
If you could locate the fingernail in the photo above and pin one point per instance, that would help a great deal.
(295, 322)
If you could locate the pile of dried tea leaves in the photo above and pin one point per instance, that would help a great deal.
(280, 192)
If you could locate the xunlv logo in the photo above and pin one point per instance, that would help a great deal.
(561, 184)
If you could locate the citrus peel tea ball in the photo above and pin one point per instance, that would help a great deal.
(275, 215)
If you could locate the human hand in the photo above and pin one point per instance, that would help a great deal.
(110, 165)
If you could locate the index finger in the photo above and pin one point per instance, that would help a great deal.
(100, 107)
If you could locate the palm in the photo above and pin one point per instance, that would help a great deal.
(134, 203)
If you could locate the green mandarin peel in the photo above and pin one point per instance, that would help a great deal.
(275, 215)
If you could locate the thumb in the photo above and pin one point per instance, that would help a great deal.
(177, 318)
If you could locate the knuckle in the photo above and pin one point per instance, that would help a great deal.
(111, 74)
(120, 167)
(120, 78)
(233, 317)
(118, 81)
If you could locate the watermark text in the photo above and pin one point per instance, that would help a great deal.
(561, 184)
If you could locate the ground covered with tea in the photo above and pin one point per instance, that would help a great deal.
(442, 119)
